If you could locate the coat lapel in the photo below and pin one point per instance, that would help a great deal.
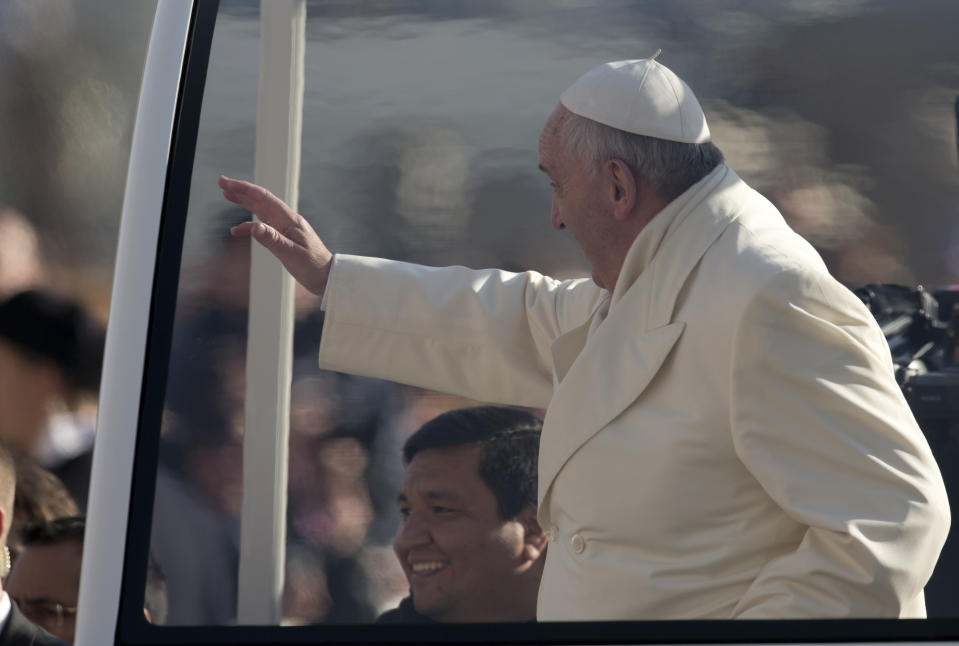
(566, 348)
(606, 378)
(603, 366)
(20, 631)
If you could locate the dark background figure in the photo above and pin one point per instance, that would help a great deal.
(195, 530)
(50, 358)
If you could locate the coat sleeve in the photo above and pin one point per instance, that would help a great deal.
(819, 420)
(482, 334)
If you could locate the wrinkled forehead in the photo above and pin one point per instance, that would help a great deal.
(553, 124)
(550, 146)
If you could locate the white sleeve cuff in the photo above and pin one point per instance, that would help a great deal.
(329, 279)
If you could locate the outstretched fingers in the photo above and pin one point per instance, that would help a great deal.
(245, 229)
(281, 231)
(259, 201)
(262, 233)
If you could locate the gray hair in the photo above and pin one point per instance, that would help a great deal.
(670, 167)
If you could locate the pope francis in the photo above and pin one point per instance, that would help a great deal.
(724, 436)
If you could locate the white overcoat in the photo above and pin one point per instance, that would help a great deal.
(724, 436)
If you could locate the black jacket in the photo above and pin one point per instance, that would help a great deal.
(405, 613)
(20, 631)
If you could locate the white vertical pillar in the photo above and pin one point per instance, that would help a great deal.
(270, 338)
(101, 578)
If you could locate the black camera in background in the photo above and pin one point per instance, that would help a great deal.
(922, 328)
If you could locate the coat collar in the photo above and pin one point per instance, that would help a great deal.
(603, 366)
(649, 241)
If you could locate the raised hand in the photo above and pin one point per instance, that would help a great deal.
(285, 233)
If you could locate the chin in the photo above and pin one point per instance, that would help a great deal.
(599, 281)
(430, 608)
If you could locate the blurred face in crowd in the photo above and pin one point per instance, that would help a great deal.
(460, 558)
(580, 200)
(20, 265)
(45, 583)
(26, 387)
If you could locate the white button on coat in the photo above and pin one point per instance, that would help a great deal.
(578, 543)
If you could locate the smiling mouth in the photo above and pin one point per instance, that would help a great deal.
(427, 567)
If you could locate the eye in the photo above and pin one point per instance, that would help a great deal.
(439, 509)
(47, 613)
(405, 512)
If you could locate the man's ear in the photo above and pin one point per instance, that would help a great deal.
(535, 538)
(621, 184)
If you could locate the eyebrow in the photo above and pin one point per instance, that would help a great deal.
(22, 598)
(432, 496)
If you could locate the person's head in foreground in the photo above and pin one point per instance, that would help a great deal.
(41, 497)
(470, 544)
(45, 580)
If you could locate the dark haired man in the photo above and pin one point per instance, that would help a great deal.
(470, 544)
(45, 580)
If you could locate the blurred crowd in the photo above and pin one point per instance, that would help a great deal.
(345, 466)
(50, 358)
(345, 451)
(51, 350)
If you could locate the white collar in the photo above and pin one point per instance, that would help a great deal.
(5, 607)
(649, 241)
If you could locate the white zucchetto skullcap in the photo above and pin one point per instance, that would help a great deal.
(639, 96)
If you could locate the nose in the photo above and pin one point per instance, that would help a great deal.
(413, 533)
(554, 217)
